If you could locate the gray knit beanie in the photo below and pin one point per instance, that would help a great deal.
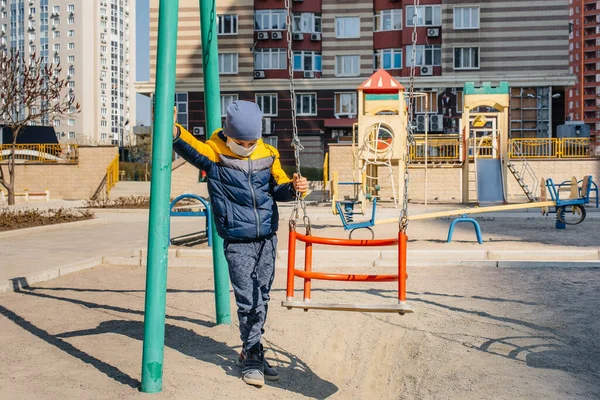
(244, 121)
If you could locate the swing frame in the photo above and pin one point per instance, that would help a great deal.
(308, 274)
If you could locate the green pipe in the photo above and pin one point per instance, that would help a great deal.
(160, 192)
(212, 108)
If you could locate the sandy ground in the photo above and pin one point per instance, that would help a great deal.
(476, 334)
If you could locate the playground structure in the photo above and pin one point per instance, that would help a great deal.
(384, 132)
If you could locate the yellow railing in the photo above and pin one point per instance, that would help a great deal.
(449, 150)
(112, 174)
(575, 148)
(438, 150)
(534, 148)
(41, 153)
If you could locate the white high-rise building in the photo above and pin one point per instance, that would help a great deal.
(94, 42)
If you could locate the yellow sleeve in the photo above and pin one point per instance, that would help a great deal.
(188, 146)
(276, 170)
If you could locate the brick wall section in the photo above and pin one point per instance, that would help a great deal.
(183, 177)
(558, 170)
(444, 184)
(70, 182)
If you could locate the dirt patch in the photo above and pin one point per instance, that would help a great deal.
(477, 333)
(11, 219)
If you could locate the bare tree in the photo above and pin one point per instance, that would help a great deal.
(30, 91)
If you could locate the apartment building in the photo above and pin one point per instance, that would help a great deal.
(338, 44)
(93, 40)
(583, 99)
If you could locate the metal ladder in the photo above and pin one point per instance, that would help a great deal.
(525, 172)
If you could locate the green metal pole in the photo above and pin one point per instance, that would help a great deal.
(160, 192)
(212, 108)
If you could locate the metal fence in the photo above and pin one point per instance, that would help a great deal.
(449, 150)
(41, 153)
(112, 174)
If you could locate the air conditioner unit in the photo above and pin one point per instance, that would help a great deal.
(298, 36)
(263, 35)
(433, 32)
(426, 70)
(259, 74)
(266, 126)
(198, 131)
(309, 74)
(436, 123)
(421, 123)
(276, 35)
(315, 37)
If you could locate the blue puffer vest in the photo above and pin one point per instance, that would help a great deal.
(243, 191)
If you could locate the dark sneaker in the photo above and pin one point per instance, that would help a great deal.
(270, 373)
(253, 368)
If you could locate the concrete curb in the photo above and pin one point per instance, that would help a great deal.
(576, 255)
(15, 284)
(281, 264)
(53, 227)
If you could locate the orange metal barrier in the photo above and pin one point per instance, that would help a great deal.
(308, 274)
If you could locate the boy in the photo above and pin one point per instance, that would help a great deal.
(245, 180)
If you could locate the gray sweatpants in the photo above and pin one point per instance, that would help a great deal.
(251, 269)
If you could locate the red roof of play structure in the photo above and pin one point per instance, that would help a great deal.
(381, 82)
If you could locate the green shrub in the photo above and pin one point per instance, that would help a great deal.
(311, 173)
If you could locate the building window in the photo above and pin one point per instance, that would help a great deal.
(267, 104)
(104, 123)
(181, 102)
(347, 65)
(71, 84)
(71, 59)
(226, 100)
(71, 21)
(71, 122)
(306, 104)
(103, 111)
(307, 61)
(345, 104)
(270, 140)
(269, 20)
(227, 24)
(70, 33)
(56, 47)
(466, 58)
(71, 46)
(71, 8)
(425, 16)
(347, 27)
(307, 23)
(56, 60)
(228, 63)
(387, 20)
(104, 136)
(56, 34)
(71, 135)
(425, 55)
(56, 122)
(388, 59)
(466, 17)
(270, 58)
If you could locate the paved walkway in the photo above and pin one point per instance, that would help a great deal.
(124, 232)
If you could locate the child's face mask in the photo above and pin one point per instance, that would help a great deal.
(239, 149)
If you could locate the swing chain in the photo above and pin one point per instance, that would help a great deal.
(296, 144)
(403, 222)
